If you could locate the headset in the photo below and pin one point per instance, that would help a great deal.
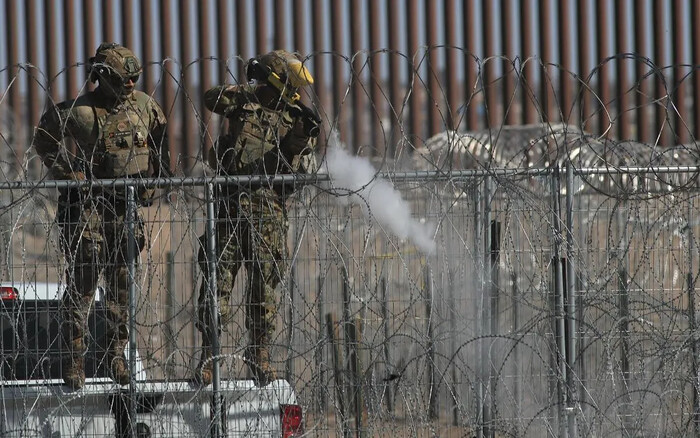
(94, 72)
(255, 70)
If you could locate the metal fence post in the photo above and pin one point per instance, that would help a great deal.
(354, 331)
(628, 423)
(338, 372)
(388, 368)
(346, 316)
(289, 363)
(195, 272)
(571, 309)
(131, 266)
(478, 291)
(452, 303)
(485, 313)
(430, 348)
(170, 345)
(515, 315)
(214, 308)
(692, 323)
(494, 252)
(560, 332)
(322, 339)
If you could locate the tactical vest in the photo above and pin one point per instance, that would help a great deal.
(123, 148)
(255, 131)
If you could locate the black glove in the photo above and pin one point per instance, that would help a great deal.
(146, 197)
(311, 120)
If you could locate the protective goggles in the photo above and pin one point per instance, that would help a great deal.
(134, 79)
(260, 72)
(274, 80)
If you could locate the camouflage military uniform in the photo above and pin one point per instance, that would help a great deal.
(118, 134)
(266, 137)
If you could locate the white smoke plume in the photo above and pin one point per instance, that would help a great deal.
(356, 181)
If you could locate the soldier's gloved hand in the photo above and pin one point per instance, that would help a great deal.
(76, 176)
(146, 197)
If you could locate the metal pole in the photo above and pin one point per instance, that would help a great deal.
(432, 377)
(334, 340)
(559, 303)
(572, 344)
(322, 339)
(692, 323)
(214, 306)
(355, 363)
(289, 363)
(346, 310)
(494, 250)
(195, 271)
(452, 302)
(487, 431)
(387, 351)
(517, 376)
(131, 266)
(478, 292)
(171, 345)
(628, 424)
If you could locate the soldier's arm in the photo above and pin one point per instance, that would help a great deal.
(299, 141)
(305, 129)
(297, 149)
(158, 143)
(49, 146)
(221, 99)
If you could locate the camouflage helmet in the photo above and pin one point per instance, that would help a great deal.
(114, 59)
(280, 69)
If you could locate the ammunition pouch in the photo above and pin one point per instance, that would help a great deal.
(255, 131)
(122, 149)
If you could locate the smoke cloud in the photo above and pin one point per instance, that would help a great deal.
(356, 182)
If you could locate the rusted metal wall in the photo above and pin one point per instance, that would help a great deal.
(389, 73)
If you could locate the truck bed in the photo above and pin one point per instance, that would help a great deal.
(163, 408)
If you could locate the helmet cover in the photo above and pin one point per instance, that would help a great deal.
(115, 59)
(288, 67)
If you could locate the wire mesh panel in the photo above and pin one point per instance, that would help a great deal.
(533, 280)
(379, 333)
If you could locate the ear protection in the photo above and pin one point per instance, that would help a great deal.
(94, 72)
(255, 70)
(96, 66)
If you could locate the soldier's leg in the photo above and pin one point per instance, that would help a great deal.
(82, 247)
(117, 281)
(265, 271)
(82, 274)
(228, 263)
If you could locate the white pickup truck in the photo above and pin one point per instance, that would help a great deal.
(35, 403)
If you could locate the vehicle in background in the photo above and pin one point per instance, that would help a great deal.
(35, 402)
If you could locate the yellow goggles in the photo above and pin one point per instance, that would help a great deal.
(299, 77)
(274, 80)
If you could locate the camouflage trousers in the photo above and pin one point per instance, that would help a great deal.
(250, 233)
(94, 238)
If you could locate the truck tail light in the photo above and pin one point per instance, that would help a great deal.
(292, 421)
(8, 293)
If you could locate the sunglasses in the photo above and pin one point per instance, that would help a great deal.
(133, 79)
(115, 79)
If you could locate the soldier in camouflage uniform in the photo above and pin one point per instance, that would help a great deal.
(119, 132)
(270, 133)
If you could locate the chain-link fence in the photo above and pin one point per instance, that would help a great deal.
(497, 281)
(548, 305)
